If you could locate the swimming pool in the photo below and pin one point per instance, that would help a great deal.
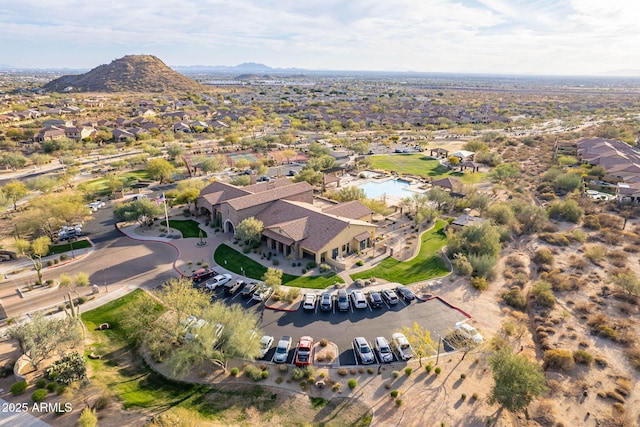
(391, 187)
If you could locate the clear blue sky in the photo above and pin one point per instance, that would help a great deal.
(567, 37)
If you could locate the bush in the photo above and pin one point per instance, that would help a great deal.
(581, 356)
(408, 371)
(595, 253)
(324, 268)
(428, 368)
(352, 383)
(41, 383)
(18, 388)
(543, 257)
(360, 263)
(480, 283)
(101, 402)
(311, 265)
(299, 374)
(342, 371)
(395, 374)
(398, 402)
(52, 386)
(555, 239)
(82, 299)
(463, 376)
(253, 372)
(265, 375)
(515, 298)
(394, 393)
(70, 368)
(323, 342)
(558, 359)
(234, 372)
(88, 418)
(543, 295)
(39, 395)
(437, 370)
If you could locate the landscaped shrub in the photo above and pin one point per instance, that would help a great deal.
(70, 368)
(408, 371)
(234, 372)
(18, 388)
(52, 386)
(558, 359)
(323, 342)
(299, 374)
(395, 374)
(428, 368)
(342, 371)
(360, 263)
(311, 265)
(39, 395)
(394, 393)
(324, 268)
(82, 299)
(265, 374)
(398, 402)
(276, 261)
(253, 372)
(352, 383)
(41, 383)
(480, 283)
(437, 370)
(581, 356)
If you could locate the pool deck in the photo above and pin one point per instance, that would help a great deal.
(415, 186)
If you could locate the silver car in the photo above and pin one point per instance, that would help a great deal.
(383, 349)
(364, 351)
(342, 300)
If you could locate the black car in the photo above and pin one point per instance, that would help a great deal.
(248, 289)
(232, 288)
(375, 299)
(203, 274)
(397, 150)
(405, 293)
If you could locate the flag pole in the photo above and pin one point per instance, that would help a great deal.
(166, 213)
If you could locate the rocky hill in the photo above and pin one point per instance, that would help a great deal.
(132, 73)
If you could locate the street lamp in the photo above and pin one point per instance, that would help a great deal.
(104, 281)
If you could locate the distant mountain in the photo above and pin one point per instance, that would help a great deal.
(132, 73)
(244, 68)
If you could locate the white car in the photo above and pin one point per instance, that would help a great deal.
(309, 302)
(261, 293)
(265, 345)
(218, 281)
(383, 349)
(402, 346)
(358, 299)
(364, 351)
(191, 325)
(97, 205)
(469, 332)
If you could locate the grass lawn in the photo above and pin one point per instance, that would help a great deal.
(188, 228)
(65, 247)
(425, 266)
(99, 185)
(255, 270)
(422, 165)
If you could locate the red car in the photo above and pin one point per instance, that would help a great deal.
(303, 352)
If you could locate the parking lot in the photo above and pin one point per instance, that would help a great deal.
(341, 327)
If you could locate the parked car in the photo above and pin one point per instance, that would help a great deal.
(304, 349)
(70, 232)
(405, 293)
(397, 150)
(371, 152)
(282, 349)
(233, 288)
(375, 300)
(326, 301)
(358, 300)
(406, 150)
(363, 349)
(402, 346)
(292, 172)
(97, 205)
(265, 345)
(218, 281)
(383, 349)
(309, 302)
(203, 274)
(264, 178)
(470, 332)
(342, 300)
(248, 289)
(390, 296)
(261, 293)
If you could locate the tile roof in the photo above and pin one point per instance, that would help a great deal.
(218, 192)
(353, 209)
(263, 197)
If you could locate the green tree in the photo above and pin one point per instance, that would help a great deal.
(627, 281)
(505, 173)
(188, 192)
(43, 184)
(143, 211)
(568, 210)
(318, 150)
(49, 212)
(13, 160)
(15, 190)
(350, 193)
(159, 169)
(517, 381)
(34, 251)
(441, 197)
(175, 150)
(240, 180)
(309, 175)
(211, 164)
(43, 337)
(272, 277)
(420, 340)
(249, 230)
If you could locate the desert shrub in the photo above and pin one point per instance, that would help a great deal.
(461, 265)
(463, 376)
(595, 253)
(591, 222)
(480, 283)
(610, 221)
(70, 368)
(323, 342)
(253, 372)
(51, 387)
(558, 359)
(336, 387)
(515, 298)
(352, 383)
(408, 371)
(543, 257)
(633, 354)
(101, 402)
(342, 371)
(41, 383)
(568, 210)
(398, 402)
(579, 235)
(483, 265)
(555, 239)
(394, 393)
(428, 369)
(18, 388)
(88, 418)
(583, 357)
(559, 281)
(234, 372)
(39, 395)
(600, 324)
(437, 370)
(395, 374)
(542, 294)
(283, 369)
(264, 375)
(624, 386)
(611, 238)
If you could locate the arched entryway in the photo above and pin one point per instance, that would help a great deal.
(228, 227)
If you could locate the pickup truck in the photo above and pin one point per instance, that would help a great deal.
(282, 349)
(303, 353)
